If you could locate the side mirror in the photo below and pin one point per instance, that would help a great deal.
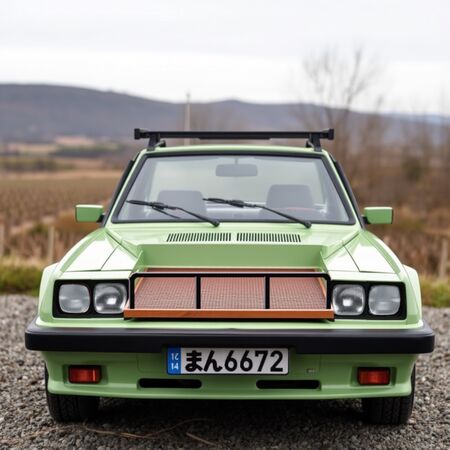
(89, 213)
(378, 215)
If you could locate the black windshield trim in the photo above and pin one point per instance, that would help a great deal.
(245, 152)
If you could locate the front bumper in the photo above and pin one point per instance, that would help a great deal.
(302, 341)
(335, 377)
(328, 357)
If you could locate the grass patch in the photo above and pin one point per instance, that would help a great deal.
(19, 277)
(435, 292)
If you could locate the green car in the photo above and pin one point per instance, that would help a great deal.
(231, 272)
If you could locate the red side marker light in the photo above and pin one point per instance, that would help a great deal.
(85, 374)
(374, 376)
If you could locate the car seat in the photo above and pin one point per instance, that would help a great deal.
(190, 200)
(293, 199)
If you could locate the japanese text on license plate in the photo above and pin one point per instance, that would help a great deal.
(237, 361)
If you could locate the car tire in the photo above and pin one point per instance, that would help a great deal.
(390, 410)
(70, 408)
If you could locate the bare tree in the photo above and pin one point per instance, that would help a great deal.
(337, 85)
(445, 163)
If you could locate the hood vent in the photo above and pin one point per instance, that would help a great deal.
(287, 238)
(268, 237)
(199, 237)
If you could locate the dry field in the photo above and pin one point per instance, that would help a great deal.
(31, 205)
(29, 199)
(37, 223)
(420, 240)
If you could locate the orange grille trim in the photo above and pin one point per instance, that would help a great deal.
(229, 313)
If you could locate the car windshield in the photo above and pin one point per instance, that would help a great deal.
(297, 186)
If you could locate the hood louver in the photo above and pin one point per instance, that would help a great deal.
(199, 237)
(268, 237)
(289, 238)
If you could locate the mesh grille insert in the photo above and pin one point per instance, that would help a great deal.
(234, 293)
(199, 237)
(178, 293)
(268, 237)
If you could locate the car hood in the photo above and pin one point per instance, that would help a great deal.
(328, 248)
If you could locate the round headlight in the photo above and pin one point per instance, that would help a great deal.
(74, 298)
(384, 300)
(109, 298)
(348, 299)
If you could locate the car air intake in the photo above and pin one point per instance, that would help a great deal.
(268, 237)
(167, 383)
(288, 384)
(199, 237)
(230, 294)
(279, 238)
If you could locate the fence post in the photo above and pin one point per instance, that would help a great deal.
(443, 260)
(2, 240)
(51, 244)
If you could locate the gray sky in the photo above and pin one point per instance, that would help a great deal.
(250, 50)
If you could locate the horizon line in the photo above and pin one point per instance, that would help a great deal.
(223, 100)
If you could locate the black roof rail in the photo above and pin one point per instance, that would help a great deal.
(312, 137)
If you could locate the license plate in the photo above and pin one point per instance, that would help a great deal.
(227, 361)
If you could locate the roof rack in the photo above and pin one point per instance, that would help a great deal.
(312, 137)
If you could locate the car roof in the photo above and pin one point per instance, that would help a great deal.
(189, 149)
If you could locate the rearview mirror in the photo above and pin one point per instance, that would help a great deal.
(88, 213)
(236, 170)
(378, 215)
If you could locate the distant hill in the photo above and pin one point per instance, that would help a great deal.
(43, 112)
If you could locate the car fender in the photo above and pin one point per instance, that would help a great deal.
(46, 285)
(415, 293)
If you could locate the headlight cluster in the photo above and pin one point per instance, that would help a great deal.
(358, 300)
(91, 298)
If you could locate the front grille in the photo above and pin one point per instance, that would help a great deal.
(166, 293)
(292, 293)
(231, 294)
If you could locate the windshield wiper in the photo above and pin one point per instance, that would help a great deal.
(135, 202)
(242, 204)
(159, 206)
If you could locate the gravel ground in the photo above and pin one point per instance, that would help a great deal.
(25, 422)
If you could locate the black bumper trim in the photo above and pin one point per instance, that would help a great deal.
(120, 340)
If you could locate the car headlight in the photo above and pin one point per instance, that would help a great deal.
(384, 300)
(74, 298)
(109, 298)
(348, 299)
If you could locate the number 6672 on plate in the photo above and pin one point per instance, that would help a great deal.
(227, 361)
